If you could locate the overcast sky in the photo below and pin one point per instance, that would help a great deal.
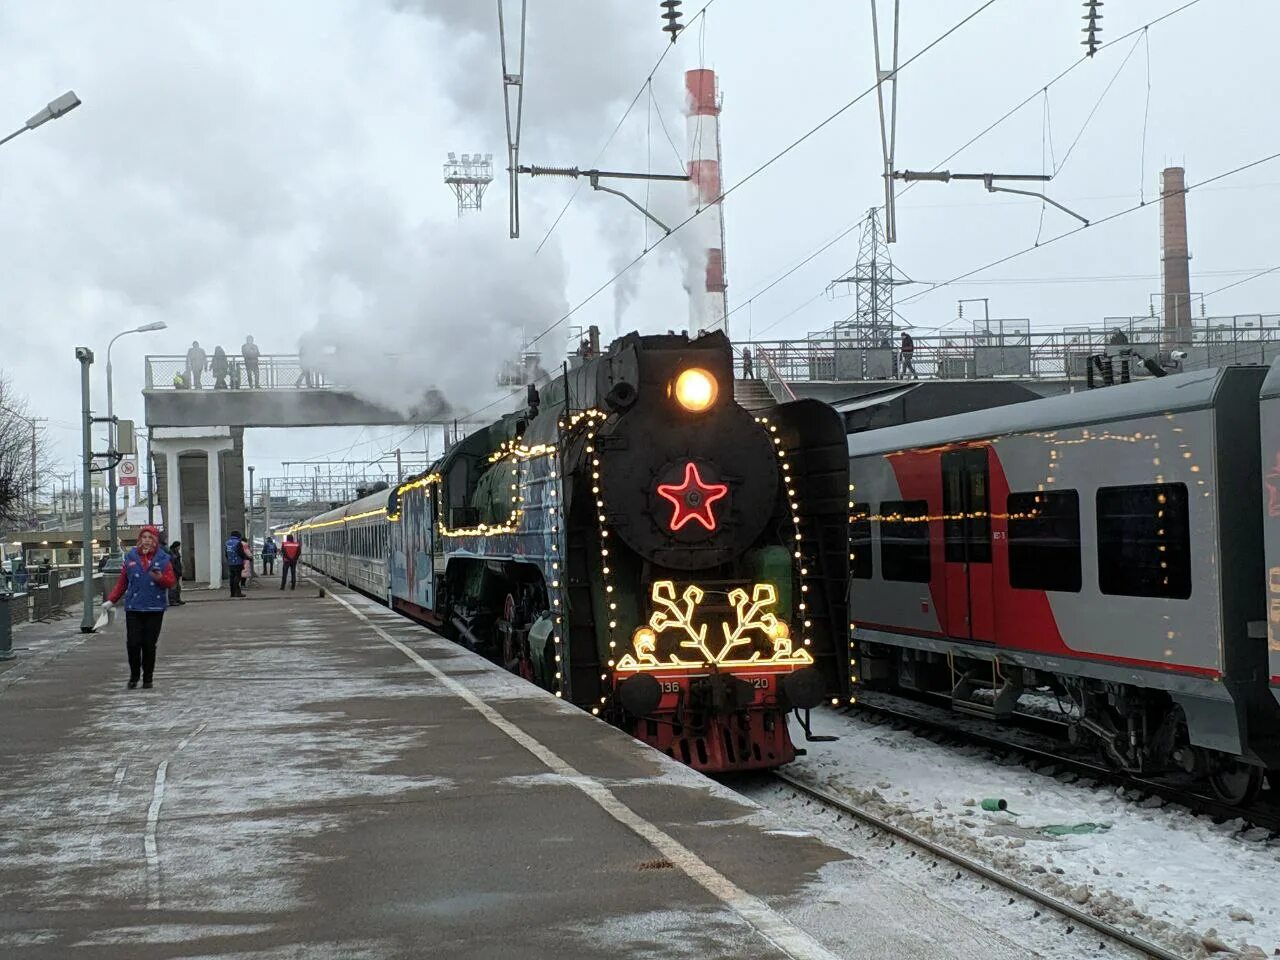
(270, 168)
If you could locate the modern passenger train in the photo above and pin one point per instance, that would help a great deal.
(1107, 545)
(635, 541)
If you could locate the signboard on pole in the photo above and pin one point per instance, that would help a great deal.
(127, 472)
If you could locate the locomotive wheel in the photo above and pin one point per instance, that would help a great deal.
(1234, 782)
(513, 654)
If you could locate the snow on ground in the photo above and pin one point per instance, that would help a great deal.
(1165, 874)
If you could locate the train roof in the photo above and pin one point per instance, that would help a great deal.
(1178, 392)
(371, 503)
(1271, 385)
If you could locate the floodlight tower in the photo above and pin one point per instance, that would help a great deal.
(468, 178)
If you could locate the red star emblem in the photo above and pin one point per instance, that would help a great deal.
(692, 498)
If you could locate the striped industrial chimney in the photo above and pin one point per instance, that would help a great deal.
(708, 307)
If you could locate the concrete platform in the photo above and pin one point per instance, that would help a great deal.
(317, 777)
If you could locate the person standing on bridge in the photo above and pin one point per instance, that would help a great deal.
(196, 360)
(907, 348)
(219, 367)
(249, 350)
(146, 577)
(290, 552)
(237, 553)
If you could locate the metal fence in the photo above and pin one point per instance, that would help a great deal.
(46, 597)
(1021, 355)
(273, 372)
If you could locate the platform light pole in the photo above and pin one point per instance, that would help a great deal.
(85, 356)
(54, 109)
(112, 539)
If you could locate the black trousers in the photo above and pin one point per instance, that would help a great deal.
(289, 571)
(268, 564)
(142, 633)
(251, 374)
(237, 574)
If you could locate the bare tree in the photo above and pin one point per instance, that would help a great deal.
(21, 446)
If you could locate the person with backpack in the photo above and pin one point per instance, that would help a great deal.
(146, 576)
(269, 551)
(237, 553)
(220, 368)
(290, 552)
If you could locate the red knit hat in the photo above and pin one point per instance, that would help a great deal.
(148, 528)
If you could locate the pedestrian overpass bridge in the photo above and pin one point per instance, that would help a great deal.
(197, 430)
(286, 394)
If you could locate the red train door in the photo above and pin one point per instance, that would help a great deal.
(966, 533)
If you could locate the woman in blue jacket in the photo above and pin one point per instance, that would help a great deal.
(145, 578)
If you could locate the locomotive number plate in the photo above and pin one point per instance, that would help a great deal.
(670, 686)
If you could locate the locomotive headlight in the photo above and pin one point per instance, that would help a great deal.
(696, 389)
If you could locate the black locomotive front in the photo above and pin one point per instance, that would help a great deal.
(706, 552)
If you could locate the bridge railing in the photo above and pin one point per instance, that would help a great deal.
(274, 371)
(1022, 355)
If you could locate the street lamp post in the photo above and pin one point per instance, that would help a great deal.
(113, 547)
(85, 356)
(55, 108)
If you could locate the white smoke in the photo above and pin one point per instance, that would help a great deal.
(445, 307)
(426, 326)
(585, 64)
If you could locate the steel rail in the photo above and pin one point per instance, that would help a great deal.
(1131, 941)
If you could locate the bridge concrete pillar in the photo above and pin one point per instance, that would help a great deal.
(173, 488)
(179, 445)
(215, 518)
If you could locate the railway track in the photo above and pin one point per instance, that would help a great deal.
(1038, 750)
(1075, 915)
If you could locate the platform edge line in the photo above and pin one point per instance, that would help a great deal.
(761, 917)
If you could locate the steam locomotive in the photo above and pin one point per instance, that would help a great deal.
(636, 542)
(1107, 547)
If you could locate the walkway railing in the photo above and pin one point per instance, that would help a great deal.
(273, 372)
(772, 373)
(1022, 355)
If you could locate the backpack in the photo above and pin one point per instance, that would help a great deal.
(235, 558)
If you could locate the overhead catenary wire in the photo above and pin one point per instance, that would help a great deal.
(1040, 90)
(644, 85)
(1098, 104)
(761, 168)
(1248, 279)
(1098, 222)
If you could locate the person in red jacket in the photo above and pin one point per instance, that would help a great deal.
(145, 579)
(290, 551)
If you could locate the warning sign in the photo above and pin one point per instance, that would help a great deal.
(127, 472)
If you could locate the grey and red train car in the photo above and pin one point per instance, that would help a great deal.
(1105, 548)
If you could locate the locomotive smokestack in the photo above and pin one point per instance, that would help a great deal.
(1175, 258)
(707, 307)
